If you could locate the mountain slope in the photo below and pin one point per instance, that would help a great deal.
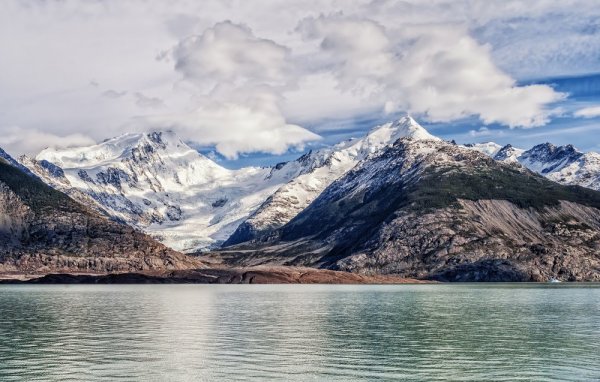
(11, 161)
(320, 169)
(562, 164)
(160, 185)
(43, 230)
(430, 209)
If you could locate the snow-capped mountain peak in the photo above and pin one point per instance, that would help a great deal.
(508, 153)
(161, 185)
(379, 137)
(488, 148)
(10, 160)
(137, 147)
(546, 157)
(407, 127)
(562, 164)
(318, 170)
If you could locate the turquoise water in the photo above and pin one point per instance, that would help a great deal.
(482, 332)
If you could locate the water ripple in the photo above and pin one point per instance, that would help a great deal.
(300, 333)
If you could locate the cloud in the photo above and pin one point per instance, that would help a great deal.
(528, 39)
(238, 80)
(144, 101)
(113, 94)
(588, 112)
(442, 59)
(481, 132)
(358, 50)
(436, 71)
(17, 140)
(231, 53)
(235, 128)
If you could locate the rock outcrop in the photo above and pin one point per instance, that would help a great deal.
(217, 275)
(433, 210)
(43, 230)
(158, 184)
(320, 169)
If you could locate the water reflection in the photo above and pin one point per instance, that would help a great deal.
(302, 332)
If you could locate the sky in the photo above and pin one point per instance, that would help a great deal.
(259, 82)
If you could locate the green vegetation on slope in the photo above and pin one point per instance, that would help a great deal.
(36, 194)
(439, 189)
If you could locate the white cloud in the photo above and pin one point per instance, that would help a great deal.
(443, 59)
(481, 132)
(239, 79)
(317, 97)
(113, 93)
(358, 50)
(437, 71)
(145, 101)
(529, 39)
(17, 140)
(230, 53)
(236, 128)
(588, 112)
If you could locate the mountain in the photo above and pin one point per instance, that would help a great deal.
(508, 154)
(562, 164)
(44, 230)
(6, 158)
(426, 208)
(157, 183)
(398, 201)
(488, 148)
(319, 170)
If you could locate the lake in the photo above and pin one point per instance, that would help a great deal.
(445, 332)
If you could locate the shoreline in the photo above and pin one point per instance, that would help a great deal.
(220, 274)
(216, 275)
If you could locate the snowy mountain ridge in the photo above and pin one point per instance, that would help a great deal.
(562, 164)
(325, 166)
(159, 184)
(437, 210)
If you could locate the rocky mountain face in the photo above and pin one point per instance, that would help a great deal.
(431, 209)
(562, 164)
(158, 184)
(397, 201)
(319, 170)
(43, 230)
(6, 158)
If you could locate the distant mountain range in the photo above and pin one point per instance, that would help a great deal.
(426, 208)
(157, 183)
(396, 201)
(562, 164)
(42, 229)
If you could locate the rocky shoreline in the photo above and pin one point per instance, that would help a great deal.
(217, 275)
